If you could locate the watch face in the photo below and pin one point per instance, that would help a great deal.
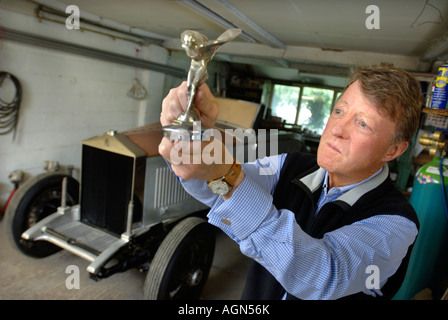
(219, 187)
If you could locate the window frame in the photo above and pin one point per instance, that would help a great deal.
(301, 86)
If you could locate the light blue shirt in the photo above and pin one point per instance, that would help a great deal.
(308, 268)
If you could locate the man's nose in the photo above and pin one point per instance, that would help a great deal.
(341, 128)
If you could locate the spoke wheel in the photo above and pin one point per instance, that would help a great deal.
(182, 263)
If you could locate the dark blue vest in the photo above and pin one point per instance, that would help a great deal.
(290, 193)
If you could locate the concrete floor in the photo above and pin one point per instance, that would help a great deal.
(25, 278)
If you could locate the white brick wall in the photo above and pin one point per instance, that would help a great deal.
(68, 98)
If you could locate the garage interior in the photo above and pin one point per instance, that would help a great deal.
(111, 68)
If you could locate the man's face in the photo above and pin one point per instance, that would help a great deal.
(357, 139)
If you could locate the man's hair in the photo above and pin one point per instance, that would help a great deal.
(395, 92)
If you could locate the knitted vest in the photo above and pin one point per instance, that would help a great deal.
(299, 189)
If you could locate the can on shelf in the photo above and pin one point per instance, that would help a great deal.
(440, 94)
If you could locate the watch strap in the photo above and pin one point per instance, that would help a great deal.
(231, 175)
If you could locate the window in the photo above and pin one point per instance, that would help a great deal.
(284, 102)
(309, 107)
(315, 108)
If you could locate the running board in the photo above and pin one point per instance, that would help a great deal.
(66, 231)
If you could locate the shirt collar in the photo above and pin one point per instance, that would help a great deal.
(352, 192)
(345, 189)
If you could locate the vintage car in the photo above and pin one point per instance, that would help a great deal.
(129, 211)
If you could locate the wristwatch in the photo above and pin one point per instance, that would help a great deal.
(223, 185)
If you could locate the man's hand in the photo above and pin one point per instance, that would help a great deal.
(207, 109)
(187, 158)
(176, 103)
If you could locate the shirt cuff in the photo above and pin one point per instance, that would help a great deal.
(199, 190)
(243, 213)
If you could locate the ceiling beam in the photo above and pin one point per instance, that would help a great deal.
(299, 54)
(213, 17)
(258, 32)
(252, 32)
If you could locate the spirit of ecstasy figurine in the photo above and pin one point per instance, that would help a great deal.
(201, 51)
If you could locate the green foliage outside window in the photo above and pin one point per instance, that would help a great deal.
(309, 107)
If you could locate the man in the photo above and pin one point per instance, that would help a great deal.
(319, 226)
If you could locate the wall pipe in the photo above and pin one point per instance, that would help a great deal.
(40, 41)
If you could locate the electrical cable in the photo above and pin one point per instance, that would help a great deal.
(9, 111)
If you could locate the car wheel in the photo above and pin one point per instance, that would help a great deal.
(36, 199)
(182, 263)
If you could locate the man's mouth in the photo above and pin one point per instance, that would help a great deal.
(332, 147)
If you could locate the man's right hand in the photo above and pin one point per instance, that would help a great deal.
(176, 103)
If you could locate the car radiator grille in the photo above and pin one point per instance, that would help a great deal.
(167, 189)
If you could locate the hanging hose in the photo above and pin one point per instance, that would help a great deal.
(15, 177)
(442, 182)
(9, 111)
(3, 211)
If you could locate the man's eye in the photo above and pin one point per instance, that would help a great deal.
(365, 127)
(337, 111)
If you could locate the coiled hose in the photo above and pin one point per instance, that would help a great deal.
(9, 111)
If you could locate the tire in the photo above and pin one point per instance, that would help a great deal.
(36, 199)
(182, 263)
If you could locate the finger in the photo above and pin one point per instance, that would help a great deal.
(206, 106)
(174, 104)
(165, 147)
(186, 152)
(168, 114)
(183, 95)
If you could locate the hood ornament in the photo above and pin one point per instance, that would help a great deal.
(201, 51)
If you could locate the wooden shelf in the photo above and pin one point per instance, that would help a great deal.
(441, 112)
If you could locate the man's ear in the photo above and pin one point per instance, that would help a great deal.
(395, 151)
